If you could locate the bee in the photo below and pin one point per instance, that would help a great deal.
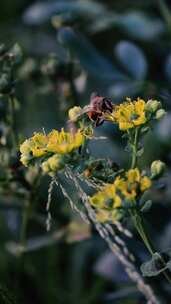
(97, 107)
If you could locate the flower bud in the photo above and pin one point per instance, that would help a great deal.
(52, 165)
(153, 105)
(73, 113)
(157, 168)
(160, 113)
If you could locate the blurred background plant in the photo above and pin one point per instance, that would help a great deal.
(65, 50)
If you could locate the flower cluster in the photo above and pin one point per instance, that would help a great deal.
(128, 115)
(131, 114)
(51, 149)
(111, 200)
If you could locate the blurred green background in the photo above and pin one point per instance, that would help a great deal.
(70, 49)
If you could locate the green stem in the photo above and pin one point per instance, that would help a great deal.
(134, 149)
(165, 11)
(141, 229)
(135, 213)
(28, 208)
(12, 120)
(24, 224)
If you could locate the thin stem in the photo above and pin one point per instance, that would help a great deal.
(134, 149)
(141, 229)
(73, 88)
(165, 13)
(12, 120)
(24, 224)
(28, 208)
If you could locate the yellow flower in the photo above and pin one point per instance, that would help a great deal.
(52, 165)
(108, 201)
(126, 190)
(64, 142)
(39, 143)
(145, 183)
(130, 114)
(106, 204)
(33, 147)
(55, 142)
(26, 153)
(132, 184)
(105, 215)
(106, 198)
(133, 175)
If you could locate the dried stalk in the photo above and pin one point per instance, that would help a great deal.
(115, 243)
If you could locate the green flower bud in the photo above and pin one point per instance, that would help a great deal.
(16, 53)
(157, 168)
(53, 164)
(153, 105)
(73, 113)
(160, 113)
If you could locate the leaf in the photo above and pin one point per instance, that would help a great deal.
(154, 267)
(140, 26)
(145, 130)
(132, 59)
(167, 67)
(146, 207)
(135, 23)
(40, 12)
(125, 88)
(90, 59)
(140, 152)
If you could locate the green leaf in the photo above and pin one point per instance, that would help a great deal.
(41, 12)
(140, 26)
(126, 88)
(90, 59)
(140, 152)
(146, 207)
(168, 67)
(154, 267)
(132, 59)
(145, 130)
(136, 24)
